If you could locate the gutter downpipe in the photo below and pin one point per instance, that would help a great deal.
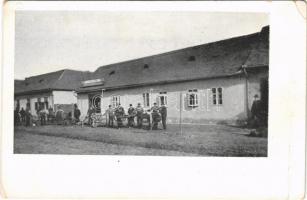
(246, 90)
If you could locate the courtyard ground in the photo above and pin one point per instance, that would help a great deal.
(194, 140)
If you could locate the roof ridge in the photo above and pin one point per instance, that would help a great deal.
(45, 74)
(53, 85)
(62, 74)
(178, 50)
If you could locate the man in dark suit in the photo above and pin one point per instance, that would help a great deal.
(131, 113)
(119, 113)
(77, 113)
(139, 113)
(163, 112)
(256, 111)
(155, 116)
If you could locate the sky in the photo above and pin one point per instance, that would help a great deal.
(47, 41)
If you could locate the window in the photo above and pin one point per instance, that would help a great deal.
(17, 104)
(146, 66)
(146, 99)
(217, 96)
(193, 98)
(214, 96)
(112, 72)
(115, 101)
(28, 103)
(46, 102)
(39, 105)
(220, 95)
(192, 58)
(162, 98)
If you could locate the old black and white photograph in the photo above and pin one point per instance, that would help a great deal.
(141, 83)
(153, 100)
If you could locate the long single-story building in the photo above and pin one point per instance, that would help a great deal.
(208, 83)
(49, 90)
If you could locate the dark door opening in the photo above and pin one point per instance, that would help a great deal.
(264, 92)
(95, 101)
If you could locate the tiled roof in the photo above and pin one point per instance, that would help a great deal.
(216, 59)
(60, 80)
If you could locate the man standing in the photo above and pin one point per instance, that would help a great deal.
(110, 116)
(23, 115)
(119, 113)
(59, 116)
(131, 113)
(139, 113)
(155, 116)
(50, 114)
(256, 111)
(77, 113)
(163, 112)
(43, 115)
(90, 112)
(28, 117)
(146, 120)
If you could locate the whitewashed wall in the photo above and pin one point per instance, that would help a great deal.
(64, 97)
(23, 103)
(233, 107)
(82, 103)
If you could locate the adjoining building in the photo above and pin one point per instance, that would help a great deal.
(49, 90)
(208, 83)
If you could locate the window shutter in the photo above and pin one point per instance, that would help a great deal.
(196, 99)
(209, 99)
(188, 99)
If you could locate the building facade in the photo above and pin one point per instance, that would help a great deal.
(209, 83)
(48, 90)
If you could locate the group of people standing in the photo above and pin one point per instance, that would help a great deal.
(22, 116)
(142, 116)
(44, 116)
(25, 117)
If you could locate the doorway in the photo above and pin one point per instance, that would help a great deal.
(264, 92)
(95, 101)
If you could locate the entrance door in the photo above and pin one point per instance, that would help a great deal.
(95, 101)
(264, 90)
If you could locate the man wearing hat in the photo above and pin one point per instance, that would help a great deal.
(110, 116)
(131, 113)
(119, 113)
(163, 112)
(155, 116)
(139, 112)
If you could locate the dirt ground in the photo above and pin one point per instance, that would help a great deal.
(194, 140)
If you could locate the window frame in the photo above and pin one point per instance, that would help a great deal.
(193, 92)
(217, 96)
(115, 101)
(146, 99)
(46, 102)
(28, 105)
(162, 95)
